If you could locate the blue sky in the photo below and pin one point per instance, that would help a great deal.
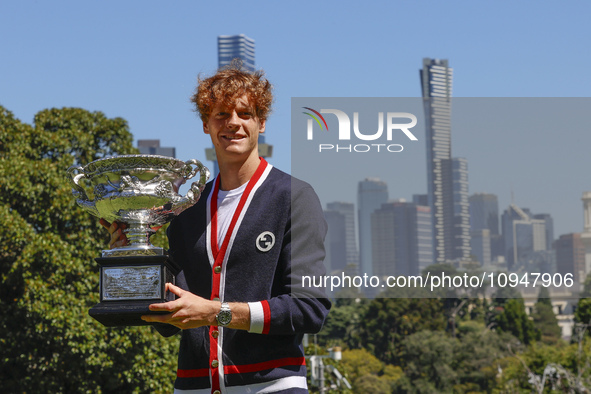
(139, 60)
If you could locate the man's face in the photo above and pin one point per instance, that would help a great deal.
(234, 130)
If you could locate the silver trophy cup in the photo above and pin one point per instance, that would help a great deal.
(140, 191)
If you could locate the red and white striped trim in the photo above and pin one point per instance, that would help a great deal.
(260, 317)
(273, 386)
(282, 362)
(218, 253)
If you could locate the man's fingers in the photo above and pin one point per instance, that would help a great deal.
(174, 289)
(104, 223)
(116, 236)
(117, 226)
(118, 244)
(156, 318)
(170, 306)
(112, 227)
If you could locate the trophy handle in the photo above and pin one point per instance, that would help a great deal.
(78, 192)
(196, 187)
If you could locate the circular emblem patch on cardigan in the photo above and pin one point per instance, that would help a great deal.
(265, 241)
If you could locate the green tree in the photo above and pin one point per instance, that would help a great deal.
(365, 371)
(357, 363)
(428, 363)
(371, 384)
(512, 318)
(49, 277)
(586, 287)
(548, 368)
(545, 319)
(475, 355)
(387, 322)
(342, 322)
(583, 311)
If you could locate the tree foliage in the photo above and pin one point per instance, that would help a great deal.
(583, 311)
(387, 322)
(428, 362)
(544, 318)
(545, 368)
(367, 374)
(49, 278)
(511, 317)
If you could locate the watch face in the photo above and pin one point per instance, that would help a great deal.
(224, 317)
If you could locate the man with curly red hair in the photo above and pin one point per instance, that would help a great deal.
(243, 249)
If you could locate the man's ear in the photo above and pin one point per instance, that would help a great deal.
(263, 123)
(205, 128)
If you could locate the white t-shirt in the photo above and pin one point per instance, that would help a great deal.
(227, 203)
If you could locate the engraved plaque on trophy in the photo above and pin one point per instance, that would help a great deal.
(140, 191)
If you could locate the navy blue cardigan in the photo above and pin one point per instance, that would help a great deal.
(284, 212)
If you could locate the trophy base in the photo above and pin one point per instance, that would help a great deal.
(129, 285)
(122, 313)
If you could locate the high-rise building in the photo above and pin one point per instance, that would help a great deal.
(237, 46)
(230, 48)
(549, 223)
(480, 245)
(484, 215)
(420, 199)
(570, 256)
(586, 234)
(152, 147)
(371, 194)
(484, 212)
(451, 233)
(335, 242)
(523, 235)
(462, 246)
(401, 239)
(347, 210)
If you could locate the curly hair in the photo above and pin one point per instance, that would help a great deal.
(229, 83)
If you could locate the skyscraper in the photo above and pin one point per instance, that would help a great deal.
(401, 239)
(451, 231)
(549, 222)
(570, 256)
(523, 235)
(480, 243)
(230, 48)
(152, 147)
(238, 46)
(484, 212)
(335, 242)
(461, 231)
(586, 234)
(484, 227)
(347, 210)
(371, 194)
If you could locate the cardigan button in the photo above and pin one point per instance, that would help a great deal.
(214, 364)
(217, 392)
(215, 333)
(217, 269)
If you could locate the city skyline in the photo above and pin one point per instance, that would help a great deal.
(144, 67)
(401, 237)
(486, 131)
